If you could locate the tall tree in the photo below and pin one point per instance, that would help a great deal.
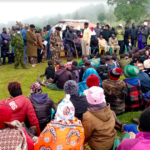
(128, 9)
(101, 17)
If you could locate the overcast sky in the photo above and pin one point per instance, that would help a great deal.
(21, 9)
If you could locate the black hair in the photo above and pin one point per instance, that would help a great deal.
(69, 59)
(98, 55)
(107, 53)
(108, 58)
(83, 56)
(88, 56)
(75, 63)
(87, 63)
(58, 61)
(50, 63)
(91, 56)
(114, 58)
(45, 28)
(86, 23)
(107, 26)
(136, 55)
(38, 31)
(144, 121)
(122, 56)
(102, 61)
(103, 57)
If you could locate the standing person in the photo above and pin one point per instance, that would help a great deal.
(31, 44)
(97, 30)
(55, 43)
(134, 35)
(69, 40)
(86, 39)
(142, 38)
(50, 31)
(113, 41)
(120, 36)
(113, 31)
(44, 33)
(0, 47)
(39, 46)
(106, 33)
(78, 45)
(127, 35)
(12, 32)
(17, 43)
(65, 31)
(23, 33)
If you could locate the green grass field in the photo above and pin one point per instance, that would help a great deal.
(28, 76)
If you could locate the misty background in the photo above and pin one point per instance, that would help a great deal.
(42, 13)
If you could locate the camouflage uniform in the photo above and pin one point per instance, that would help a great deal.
(55, 37)
(18, 44)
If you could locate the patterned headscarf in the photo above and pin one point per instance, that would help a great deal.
(35, 88)
(65, 110)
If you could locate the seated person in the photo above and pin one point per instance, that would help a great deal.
(81, 62)
(99, 130)
(49, 72)
(75, 63)
(64, 132)
(103, 44)
(60, 78)
(8, 129)
(110, 63)
(75, 73)
(132, 89)
(69, 62)
(21, 107)
(123, 61)
(78, 46)
(141, 140)
(94, 60)
(113, 89)
(41, 103)
(114, 57)
(114, 44)
(103, 70)
(98, 57)
(135, 57)
(5, 52)
(147, 67)
(57, 64)
(129, 46)
(94, 45)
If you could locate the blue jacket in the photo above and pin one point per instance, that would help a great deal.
(23, 33)
(48, 36)
(1, 40)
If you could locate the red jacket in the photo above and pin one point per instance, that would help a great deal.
(22, 107)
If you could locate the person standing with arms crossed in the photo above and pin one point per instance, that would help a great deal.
(18, 44)
(86, 39)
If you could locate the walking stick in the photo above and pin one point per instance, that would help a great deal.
(75, 49)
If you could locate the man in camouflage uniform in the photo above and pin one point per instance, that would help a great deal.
(55, 43)
(18, 44)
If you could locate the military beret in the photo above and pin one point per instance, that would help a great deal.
(32, 26)
(58, 28)
(17, 28)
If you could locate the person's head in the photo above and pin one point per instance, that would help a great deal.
(65, 110)
(14, 89)
(135, 56)
(108, 58)
(133, 25)
(113, 29)
(27, 27)
(87, 63)
(75, 63)
(113, 36)
(86, 25)
(102, 27)
(50, 63)
(101, 37)
(5, 42)
(32, 27)
(95, 95)
(18, 30)
(70, 29)
(126, 55)
(58, 61)
(61, 66)
(69, 68)
(58, 29)
(147, 64)
(127, 26)
(48, 27)
(114, 74)
(103, 57)
(102, 62)
(144, 121)
(67, 27)
(139, 64)
(98, 55)
(136, 49)
(130, 54)
(131, 71)
(107, 27)
(4, 30)
(71, 87)
(85, 59)
(114, 58)
(91, 56)
(35, 88)
(83, 56)
(88, 56)
(97, 25)
(45, 29)
(5, 115)
(122, 56)
(142, 26)
(107, 53)
(13, 27)
(120, 26)
(141, 53)
(92, 80)
(69, 59)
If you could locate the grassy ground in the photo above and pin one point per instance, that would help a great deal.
(27, 77)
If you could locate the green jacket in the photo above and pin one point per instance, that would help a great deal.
(124, 62)
(17, 42)
(120, 34)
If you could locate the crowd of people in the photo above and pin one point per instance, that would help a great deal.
(95, 94)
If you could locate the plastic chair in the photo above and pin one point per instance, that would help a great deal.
(101, 49)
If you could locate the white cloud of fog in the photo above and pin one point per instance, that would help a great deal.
(22, 9)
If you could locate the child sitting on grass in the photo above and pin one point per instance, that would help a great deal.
(123, 61)
(134, 58)
(110, 63)
(57, 64)
(81, 62)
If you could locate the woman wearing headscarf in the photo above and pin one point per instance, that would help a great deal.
(42, 104)
(65, 132)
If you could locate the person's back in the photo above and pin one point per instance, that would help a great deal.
(110, 63)
(50, 72)
(123, 62)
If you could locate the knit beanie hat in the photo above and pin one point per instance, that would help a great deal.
(92, 80)
(114, 74)
(71, 87)
(95, 95)
(147, 64)
(5, 115)
(131, 71)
